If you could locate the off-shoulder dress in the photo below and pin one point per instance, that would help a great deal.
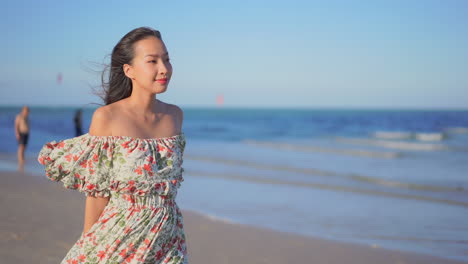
(142, 222)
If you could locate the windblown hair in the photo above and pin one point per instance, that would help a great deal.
(115, 84)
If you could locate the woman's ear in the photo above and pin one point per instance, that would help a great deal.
(128, 70)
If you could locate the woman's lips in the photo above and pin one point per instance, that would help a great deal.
(162, 81)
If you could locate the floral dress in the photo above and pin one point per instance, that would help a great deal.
(141, 222)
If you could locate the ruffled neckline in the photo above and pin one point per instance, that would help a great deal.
(128, 138)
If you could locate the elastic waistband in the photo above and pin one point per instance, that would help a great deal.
(151, 201)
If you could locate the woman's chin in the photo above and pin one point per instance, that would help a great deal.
(158, 89)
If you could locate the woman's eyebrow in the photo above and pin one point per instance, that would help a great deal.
(156, 55)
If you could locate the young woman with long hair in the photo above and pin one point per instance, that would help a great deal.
(129, 164)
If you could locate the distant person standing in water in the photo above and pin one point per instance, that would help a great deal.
(22, 134)
(77, 120)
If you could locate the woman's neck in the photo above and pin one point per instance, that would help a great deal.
(143, 103)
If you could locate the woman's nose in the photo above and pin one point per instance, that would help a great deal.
(163, 68)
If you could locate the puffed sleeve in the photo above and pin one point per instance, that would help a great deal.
(82, 163)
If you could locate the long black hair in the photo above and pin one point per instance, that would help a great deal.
(115, 84)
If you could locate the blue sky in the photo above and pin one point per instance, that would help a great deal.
(356, 54)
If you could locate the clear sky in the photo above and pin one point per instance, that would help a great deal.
(389, 54)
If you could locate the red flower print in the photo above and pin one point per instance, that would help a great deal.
(147, 167)
(91, 186)
(95, 157)
(138, 170)
(125, 144)
(155, 229)
(77, 176)
(159, 148)
(76, 157)
(69, 157)
(123, 253)
(105, 146)
(130, 247)
(81, 258)
(159, 255)
(127, 230)
(101, 255)
(134, 210)
(61, 144)
(83, 163)
(151, 159)
(130, 257)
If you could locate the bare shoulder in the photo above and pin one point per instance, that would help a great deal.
(101, 120)
(176, 111)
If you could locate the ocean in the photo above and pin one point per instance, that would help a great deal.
(394, 179)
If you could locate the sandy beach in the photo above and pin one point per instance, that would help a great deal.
(41, 220)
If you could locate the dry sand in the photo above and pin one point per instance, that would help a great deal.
(41, 220)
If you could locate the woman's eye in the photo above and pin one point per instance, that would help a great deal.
(154, 61)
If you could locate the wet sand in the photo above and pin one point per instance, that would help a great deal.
(41, 220)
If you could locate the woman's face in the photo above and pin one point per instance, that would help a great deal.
(150, 68)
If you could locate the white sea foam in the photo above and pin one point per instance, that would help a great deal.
(400, 145)
(350, 152)
(429, 136)
(214, 217)
(392, 135)
(348, 188)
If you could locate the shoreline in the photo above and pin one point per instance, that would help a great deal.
(44, 219)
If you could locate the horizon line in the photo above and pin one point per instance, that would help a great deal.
(261, 107)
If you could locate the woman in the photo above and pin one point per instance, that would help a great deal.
(129, 164)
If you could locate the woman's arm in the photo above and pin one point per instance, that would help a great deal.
(95, 205)
(93, 209)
